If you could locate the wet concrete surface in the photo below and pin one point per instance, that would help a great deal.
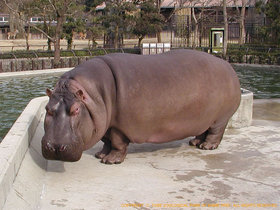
(267, 109)
(243, 173)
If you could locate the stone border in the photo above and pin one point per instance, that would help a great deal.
(16, 142)
(256, 65)
(244, 114)
(35, 72)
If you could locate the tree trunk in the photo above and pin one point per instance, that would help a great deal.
(49, 44)
(140, 40)
(158, 4)
(94, 43)
(159, 37)
(70, 42)
(242, 23)
(116, 37)
(226, 28)
(26, 34)
(195, 36)
(58, 32)
(12, 21)
(56, 53)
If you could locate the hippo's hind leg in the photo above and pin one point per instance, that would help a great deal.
(211, 138)
(118, 148)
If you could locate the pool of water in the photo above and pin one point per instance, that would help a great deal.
(264, 82)
(15, 93)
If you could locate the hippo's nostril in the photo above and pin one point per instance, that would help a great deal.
(50, 147)
(62, 148)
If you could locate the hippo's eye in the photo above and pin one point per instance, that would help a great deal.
(75, 111)
(49, 112)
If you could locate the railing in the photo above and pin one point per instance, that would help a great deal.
(65, 53)
(34, 60)
(44, 47)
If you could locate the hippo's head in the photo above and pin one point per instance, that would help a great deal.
(68, 124)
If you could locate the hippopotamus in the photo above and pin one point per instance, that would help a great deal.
(126, 98)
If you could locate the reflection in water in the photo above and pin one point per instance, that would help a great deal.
(264, 82)
(15, 93)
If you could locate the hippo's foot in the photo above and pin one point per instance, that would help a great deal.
(114, 157)
(211, 138)
(114, 149)
(105, 151)
(203, 144)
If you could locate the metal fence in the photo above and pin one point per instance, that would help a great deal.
(186, 33)
(22, 61)
(44, 47)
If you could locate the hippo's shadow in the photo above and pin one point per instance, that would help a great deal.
(46, 165)
(145, 147)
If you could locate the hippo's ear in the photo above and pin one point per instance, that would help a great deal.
(80, 95)
(48, 92)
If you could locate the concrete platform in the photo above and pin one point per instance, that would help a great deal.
(243, 173)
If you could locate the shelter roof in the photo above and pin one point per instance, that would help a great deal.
(196, 3)
(204, 3)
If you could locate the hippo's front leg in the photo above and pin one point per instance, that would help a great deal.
(106, 148)
(119, 143)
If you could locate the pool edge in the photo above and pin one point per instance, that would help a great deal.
(35, 72)
(15, 144)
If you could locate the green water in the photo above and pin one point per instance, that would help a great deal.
(264, 82)
(15, 93)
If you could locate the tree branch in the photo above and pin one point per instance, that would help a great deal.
(10, 8)
(43, 32)
(27, 22)
(53, 5)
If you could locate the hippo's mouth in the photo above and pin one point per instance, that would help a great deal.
(69, 153)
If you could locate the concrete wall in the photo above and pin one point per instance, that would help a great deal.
(243, 115)
(38, 72)
(16, 143)
(23, 64)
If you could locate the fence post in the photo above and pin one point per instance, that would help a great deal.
(12, 66)
(70, 62)
(22, 65)
(61, 63)
(33, 64)
(1, 68)
(43, 63)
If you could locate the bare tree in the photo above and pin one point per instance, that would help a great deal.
(226, 27)
(242, 22)
(241, 19)
(59, 9)
(22, 15)
(198, 18)
(158, 5)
